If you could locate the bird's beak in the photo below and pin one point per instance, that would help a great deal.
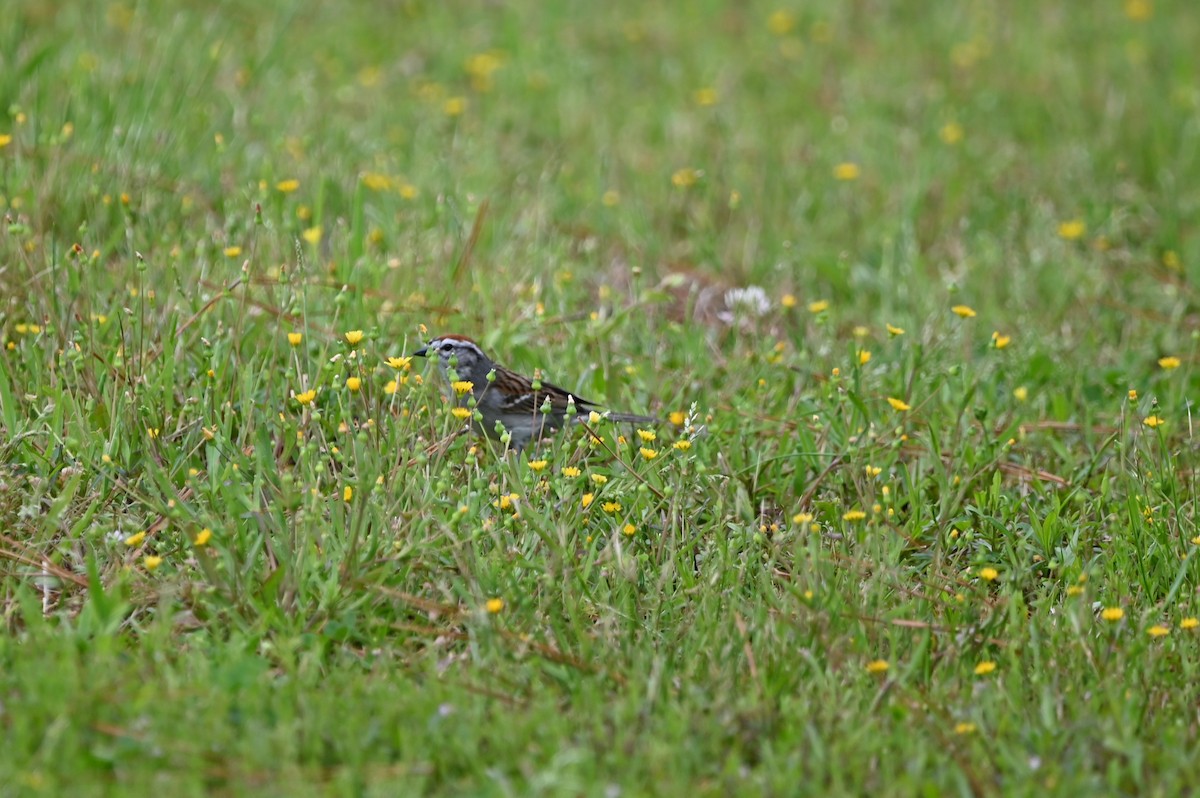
(422, 352)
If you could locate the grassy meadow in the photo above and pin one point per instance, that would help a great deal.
(912, 286)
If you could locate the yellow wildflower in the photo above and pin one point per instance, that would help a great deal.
(1169, 363)
(686, 178)
(1112, 614)
(294, 338)
(287, 186)
(963, 311)
(984, 668)
(494, 605)
(1072, 230)
(846, 171)
(877, 666)
(951, 133)
(354, 337)
(898, 404)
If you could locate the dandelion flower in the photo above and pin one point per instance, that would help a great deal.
(1169, 363)
(877, 666)
(1072, 230)
(951, 133)
(538, 465)
(898, 404)
(1154, 421)
(984, 668)
(354, 384)
(989, 574)
(963, 311)
(1158, 631)
(1112, 614)
(846, 171)
(294, 338)
(685, 178)
(853, 515)
(820, 306)
(494, 605)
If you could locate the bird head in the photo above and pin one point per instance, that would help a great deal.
(460, 353)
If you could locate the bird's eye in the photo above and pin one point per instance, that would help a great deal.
(446, 347)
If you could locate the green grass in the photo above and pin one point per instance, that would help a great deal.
(343, 598)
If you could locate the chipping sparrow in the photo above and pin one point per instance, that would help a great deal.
(504, 396)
